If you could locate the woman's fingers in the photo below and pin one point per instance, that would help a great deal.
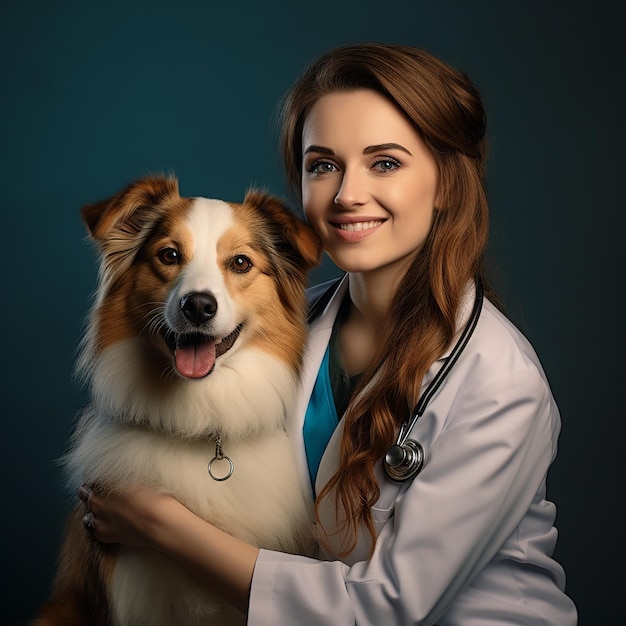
(84, 493)
(88, 522)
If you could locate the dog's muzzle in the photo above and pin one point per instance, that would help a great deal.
(195, 351)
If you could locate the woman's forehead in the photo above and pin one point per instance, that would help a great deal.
(356, 118)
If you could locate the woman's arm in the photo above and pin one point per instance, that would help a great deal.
(146, 518)
(483, 471)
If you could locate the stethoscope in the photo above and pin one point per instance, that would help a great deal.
(405, 459)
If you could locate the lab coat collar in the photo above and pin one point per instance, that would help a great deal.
(319, 336)
(463, 316)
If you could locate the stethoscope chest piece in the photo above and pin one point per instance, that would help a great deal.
(403, 462)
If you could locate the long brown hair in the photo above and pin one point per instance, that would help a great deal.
(446, 110)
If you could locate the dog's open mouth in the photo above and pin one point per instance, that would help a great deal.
(195, 353)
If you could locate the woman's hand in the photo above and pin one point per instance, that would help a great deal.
(133, 518)
(146, 518)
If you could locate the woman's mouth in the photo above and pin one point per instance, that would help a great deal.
(359, 226)
(357, 230)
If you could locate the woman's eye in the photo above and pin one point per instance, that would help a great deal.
(386, 164)
(321, 167)
(169, 256)
(241, 264)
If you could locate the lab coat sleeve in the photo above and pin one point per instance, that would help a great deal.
(482, 473)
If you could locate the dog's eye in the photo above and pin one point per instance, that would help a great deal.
(241, 264)
(169, 256)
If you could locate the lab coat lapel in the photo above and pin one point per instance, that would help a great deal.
(319, 336)
(330, 459)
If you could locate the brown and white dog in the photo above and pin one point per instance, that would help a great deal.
(192, 352)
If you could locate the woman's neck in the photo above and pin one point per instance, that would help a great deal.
(360, 332)
(370, 296)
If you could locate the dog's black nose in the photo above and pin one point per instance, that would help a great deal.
(198, 307)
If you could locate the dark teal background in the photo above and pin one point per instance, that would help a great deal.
(96, 94)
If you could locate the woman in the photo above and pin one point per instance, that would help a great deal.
(387, 146)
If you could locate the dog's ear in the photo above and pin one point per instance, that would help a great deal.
(290, 233)
(306, 240)
(127, 210)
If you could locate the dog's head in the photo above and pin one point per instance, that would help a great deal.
(193, 280)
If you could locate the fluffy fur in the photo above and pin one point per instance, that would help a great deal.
(197, 332)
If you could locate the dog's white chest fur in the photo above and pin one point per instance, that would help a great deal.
(261, 503)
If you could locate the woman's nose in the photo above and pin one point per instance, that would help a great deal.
(353, 190)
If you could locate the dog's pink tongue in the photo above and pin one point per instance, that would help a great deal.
(196, 359)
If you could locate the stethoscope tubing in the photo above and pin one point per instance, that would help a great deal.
(406, 458)
(408, 424)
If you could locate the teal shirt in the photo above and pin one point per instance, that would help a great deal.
(320, 419)
(329, 400)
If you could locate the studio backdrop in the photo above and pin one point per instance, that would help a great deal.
(96, 94)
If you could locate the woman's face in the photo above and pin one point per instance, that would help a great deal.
(368, 182)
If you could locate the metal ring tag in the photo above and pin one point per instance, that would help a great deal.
(231, 469)
(220, 456)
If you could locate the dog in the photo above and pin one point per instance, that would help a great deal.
(192, 353)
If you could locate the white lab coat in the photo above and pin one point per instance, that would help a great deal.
(468, 541)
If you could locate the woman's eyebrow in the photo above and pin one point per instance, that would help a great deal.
(385, 146)
(319, 149)
(381, 147)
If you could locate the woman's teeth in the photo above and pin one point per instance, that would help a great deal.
(356, 226)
